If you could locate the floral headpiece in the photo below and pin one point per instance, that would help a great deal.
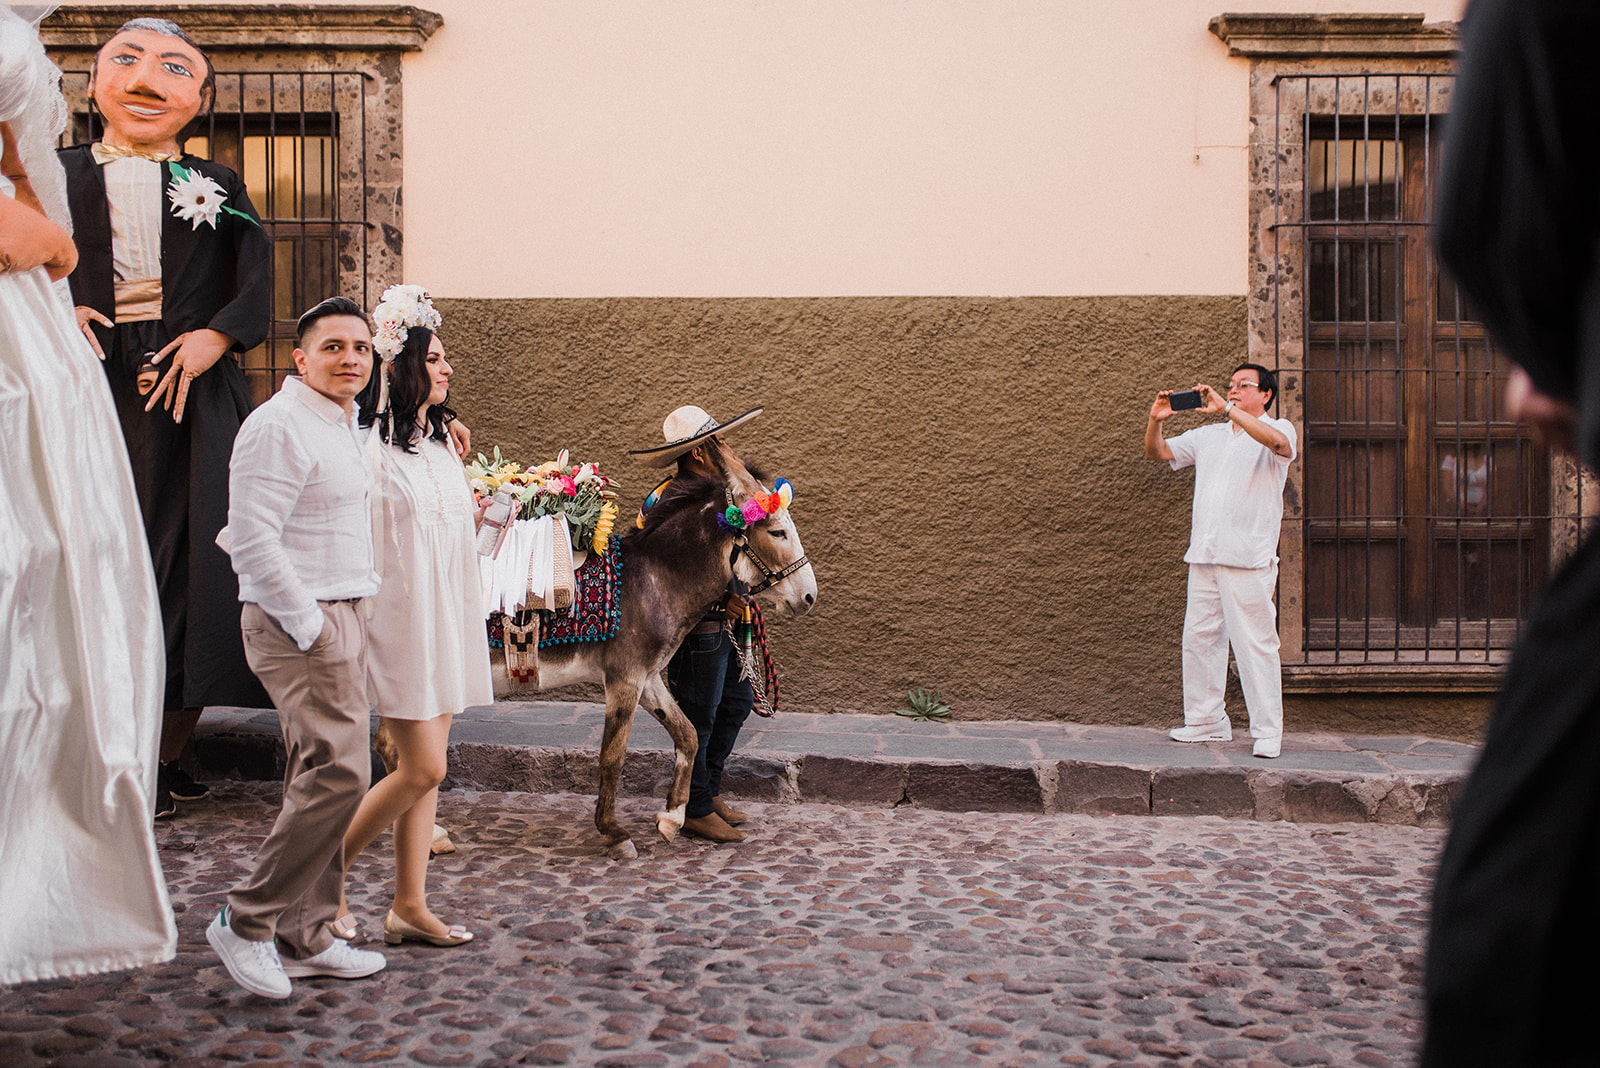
(758, 507)
(401, 308)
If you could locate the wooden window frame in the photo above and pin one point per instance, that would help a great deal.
(1281, 47)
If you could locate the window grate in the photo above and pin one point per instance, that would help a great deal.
(1430, 519)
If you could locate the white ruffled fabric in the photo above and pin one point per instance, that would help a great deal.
(83, 668)
(31, 101)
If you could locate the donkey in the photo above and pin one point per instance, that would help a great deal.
(673, 570)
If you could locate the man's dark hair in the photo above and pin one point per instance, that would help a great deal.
(331, 306)
(409, 386)
(168, 28)
(1264, 378)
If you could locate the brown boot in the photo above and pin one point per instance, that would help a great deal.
(730, 815)
(712, 826)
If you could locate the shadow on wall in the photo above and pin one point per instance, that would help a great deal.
(969, 475)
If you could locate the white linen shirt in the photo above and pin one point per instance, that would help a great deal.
(1238, 493)
(299, 509)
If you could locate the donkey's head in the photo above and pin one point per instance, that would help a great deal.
(772, 559)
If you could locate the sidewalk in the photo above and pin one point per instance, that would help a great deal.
(884, 761)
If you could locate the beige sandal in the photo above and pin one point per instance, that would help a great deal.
(344, 926)
(396, 930)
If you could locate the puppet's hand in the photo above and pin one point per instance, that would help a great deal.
(84, 315)
(196, 352)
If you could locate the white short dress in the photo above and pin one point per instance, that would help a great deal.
(427, 649)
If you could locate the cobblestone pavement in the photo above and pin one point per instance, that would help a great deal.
(832, 936)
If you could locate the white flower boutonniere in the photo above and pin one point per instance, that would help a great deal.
(197, 198)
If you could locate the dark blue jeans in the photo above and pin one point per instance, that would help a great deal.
(703, 676)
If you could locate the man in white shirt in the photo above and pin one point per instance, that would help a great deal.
(300, 525)
(1240, 470)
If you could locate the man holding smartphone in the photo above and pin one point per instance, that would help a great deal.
(1241, 466)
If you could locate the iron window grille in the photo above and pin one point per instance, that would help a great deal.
(1427, 518)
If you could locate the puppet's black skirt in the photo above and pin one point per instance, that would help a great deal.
(180, 472)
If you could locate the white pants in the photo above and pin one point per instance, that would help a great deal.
(1232, 604)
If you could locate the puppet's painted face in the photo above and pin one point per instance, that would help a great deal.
(148, 87)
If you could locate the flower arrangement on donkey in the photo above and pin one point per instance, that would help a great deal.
(555, 487)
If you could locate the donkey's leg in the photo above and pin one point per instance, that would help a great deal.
(622, 697)
(658, 699)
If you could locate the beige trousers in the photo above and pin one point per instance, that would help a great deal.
(321, 695)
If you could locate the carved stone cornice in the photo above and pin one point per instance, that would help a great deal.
(1265, 36)
(252, 27)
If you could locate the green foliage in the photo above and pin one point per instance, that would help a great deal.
(925, 706)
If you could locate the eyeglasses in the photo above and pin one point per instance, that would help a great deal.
(1241, 385)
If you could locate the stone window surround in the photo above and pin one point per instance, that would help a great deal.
(1311, 44)
(292, 37)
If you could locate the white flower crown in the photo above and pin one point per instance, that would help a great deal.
(401, 308)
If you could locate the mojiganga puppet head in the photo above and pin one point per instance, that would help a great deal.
(150, 81)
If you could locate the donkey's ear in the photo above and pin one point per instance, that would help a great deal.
(731, 468)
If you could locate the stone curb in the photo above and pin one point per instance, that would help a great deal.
(489, 755)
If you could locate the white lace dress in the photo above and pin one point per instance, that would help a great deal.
(81, 653)
(427, 650)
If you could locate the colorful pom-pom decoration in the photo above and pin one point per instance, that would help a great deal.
(784, 490)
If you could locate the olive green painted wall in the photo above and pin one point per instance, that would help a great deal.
(969, 476)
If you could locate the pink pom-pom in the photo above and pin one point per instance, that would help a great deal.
(753, 512)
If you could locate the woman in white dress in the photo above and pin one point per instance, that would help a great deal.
(81, 652)
(427, 654)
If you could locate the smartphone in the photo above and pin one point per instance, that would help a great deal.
(1183, 400)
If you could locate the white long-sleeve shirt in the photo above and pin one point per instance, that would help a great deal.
(299, 509)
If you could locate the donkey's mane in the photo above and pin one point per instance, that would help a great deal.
(687, 493)
(684, 493)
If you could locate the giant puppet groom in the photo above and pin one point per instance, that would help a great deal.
(173, 280)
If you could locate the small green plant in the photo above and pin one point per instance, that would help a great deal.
(925, 705)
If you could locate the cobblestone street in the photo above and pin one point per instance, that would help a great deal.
(844, 936)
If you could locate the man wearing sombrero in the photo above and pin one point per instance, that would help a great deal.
(703, 674)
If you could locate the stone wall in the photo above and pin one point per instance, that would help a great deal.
(969, 479)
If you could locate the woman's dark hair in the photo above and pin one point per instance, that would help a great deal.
(409, 386)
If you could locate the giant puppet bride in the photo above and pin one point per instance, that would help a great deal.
(81, 652)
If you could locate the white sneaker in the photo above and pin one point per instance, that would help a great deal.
(1267, 747)
(1219, 731)
(253, 965)
(340, 960)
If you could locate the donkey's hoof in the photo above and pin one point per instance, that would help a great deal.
(623, 850)
(669, 823)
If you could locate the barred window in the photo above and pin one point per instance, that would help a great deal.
(1430, 518)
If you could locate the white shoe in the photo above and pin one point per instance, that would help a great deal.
(1267, 747)
(1218, 731)
(253, 965)
(340, 960)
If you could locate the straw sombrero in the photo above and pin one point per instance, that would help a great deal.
(685, 428)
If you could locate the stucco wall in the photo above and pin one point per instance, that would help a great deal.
(969, 475)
